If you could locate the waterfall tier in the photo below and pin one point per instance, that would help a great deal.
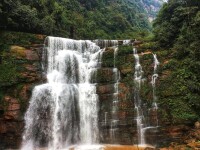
(85, 101)
(64, 110)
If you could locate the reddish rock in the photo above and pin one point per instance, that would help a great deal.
(194, 145)
(12, 115)
(30, 67)
(23, 94)
(177, 132)
(106, 97)
(10, 99)
(145, 53)
(29, 77)
(105, 89)
(13, 108)
(31, 55)
(3, 128)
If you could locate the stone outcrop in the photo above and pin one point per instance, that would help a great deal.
(117, 119)
(188, 137)
(16, 95)
(16, 98)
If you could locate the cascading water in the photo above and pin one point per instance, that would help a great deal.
(137, 100)
(106, 43)
(64, 111)
(114, 114)
(127, 42)
(146, 120)
(153, 82)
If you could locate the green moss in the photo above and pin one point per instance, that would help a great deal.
(170, 64)
(108, 58)
(8, 74)
(105, 75)
(124, 50)
(1, 95)
(8, 38)
(177, 110)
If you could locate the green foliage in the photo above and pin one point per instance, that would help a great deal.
(124, 50)
(177, 28)
(16, 38)
(8, 72)
(78, 19)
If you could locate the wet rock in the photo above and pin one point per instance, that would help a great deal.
(29, 77)
(10, 134)
(13, 108)
(24, 93)
(177, 131)
(105, 75)
(105, 89)
(31, 55)
(107, 97)
(3, 128)
(31, 68)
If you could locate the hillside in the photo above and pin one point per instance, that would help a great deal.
(78, 19)
(152, 7)
(175, 42)
(176, 31)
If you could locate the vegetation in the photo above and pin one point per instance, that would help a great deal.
(177, 29)
(152, 7)
(78, 19)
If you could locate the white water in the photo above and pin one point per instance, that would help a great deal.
(114, 117)
(155, 75)
(126, 42)
(63, 111)
(142, 120)
(153, 82)
(115, 54)
(106, 43)
(137, 101)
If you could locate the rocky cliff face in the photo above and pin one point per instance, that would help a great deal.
(16, 83)
(152, 7)
(24, 67)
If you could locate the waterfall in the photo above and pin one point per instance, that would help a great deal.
(137, 100)
(146, 119)
(153, 82)
(127, 42)
(114, 122)
(106, 43)
(64, 111)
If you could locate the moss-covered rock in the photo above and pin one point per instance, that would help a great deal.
(19, 71)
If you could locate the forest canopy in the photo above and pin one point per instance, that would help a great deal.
(177, 30)
(78, 19)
